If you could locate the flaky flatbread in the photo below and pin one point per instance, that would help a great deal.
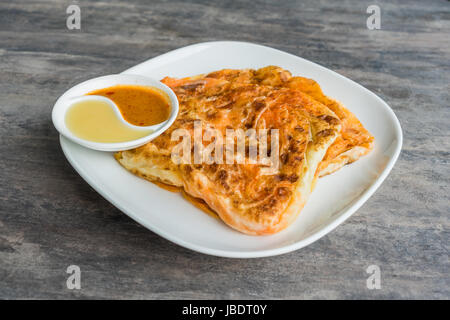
(354, 140)
(246, 196)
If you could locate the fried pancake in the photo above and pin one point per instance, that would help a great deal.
(354, 140)
(246, 196)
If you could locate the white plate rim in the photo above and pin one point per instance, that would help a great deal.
(256, 253)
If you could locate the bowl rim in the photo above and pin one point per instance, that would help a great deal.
(63, 103)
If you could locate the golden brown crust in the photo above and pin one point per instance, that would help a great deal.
(244, 196)
(354, 140)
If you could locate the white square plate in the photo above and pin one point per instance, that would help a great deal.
(335, 198)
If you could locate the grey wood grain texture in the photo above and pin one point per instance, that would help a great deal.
(50, 218)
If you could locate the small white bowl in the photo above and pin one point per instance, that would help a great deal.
(78, 93)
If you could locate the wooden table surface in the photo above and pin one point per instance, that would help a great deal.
(50, 218)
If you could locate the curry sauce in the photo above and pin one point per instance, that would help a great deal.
(139, 105)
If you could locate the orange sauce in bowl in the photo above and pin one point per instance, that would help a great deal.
(139, 105)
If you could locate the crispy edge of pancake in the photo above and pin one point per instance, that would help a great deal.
(144, 163)
(147, 162)
(344, 158)
(353, 150)
(353, 153)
